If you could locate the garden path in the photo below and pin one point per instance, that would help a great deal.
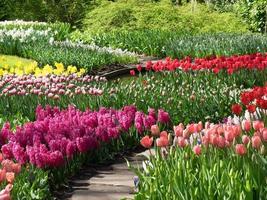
(114, 181)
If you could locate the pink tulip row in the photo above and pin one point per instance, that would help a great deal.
(52, 86)
(58, 135)
(237, 136)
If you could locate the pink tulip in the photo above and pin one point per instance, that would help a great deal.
(229, 135)
(197, 149)
(264, 134)
(221, 142)
(257, 125)
(192, 128)
(146, 142)
(155, 130)
(237, 130)
(178, 130)
(240, 149)
(245, 139)
(164, 134)
(256, 142)
(246, 125)
(181, 142)
(162, 141)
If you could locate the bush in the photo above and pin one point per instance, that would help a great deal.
(255, 14)
(133, 15)
(71, 11)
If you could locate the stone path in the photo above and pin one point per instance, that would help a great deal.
(106, 182)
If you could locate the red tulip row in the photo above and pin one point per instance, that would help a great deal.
(216, 64)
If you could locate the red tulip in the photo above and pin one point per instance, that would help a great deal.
(139, 68)
(237, 109)
(251, 108)
(132, 72)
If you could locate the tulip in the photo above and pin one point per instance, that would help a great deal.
(264, 134)
(2, 175)
(246, 125)
(164, 134)
(5, 193)
(229, 135)
(237, 109)
(251, 108)
(245, 139)
(155, 130)
(162, 141)
(181, 142)
(178, 130)
(256, 142)
(257, 125)
(10, 176)
(146, 142)
(132, 72)
(240, 149)
(197, 149)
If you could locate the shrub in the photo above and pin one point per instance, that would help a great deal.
(132, 15)
(255, 14)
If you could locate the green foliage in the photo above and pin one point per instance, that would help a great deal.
(255, 14)
(216, 44)
(31, 183)
(134, 15)
(149, 42)
(176, 45)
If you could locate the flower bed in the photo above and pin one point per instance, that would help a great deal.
(47, 46)
(215, 161)
(60, 141)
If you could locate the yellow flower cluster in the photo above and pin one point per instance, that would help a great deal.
(32, 68)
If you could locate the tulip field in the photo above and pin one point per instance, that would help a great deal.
(199, 109)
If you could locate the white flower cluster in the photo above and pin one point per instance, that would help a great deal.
(94, 47)
(21, 23)
(25, 35)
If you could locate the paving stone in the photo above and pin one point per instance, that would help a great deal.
(113, 179)
(106, 182)
(90, 195)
